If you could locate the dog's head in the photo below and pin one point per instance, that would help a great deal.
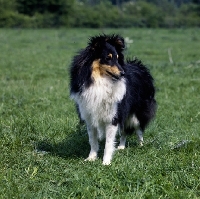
(108, 57)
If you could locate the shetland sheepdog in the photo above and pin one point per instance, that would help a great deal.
(112, 95)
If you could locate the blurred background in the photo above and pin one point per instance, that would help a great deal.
(99, 13)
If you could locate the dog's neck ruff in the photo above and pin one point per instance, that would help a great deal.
(98, 103)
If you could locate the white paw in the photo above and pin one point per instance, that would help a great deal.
(121, 147)
(141, 143)
(106, 162)
(91, 158)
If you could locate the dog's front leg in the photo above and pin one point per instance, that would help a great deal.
(111, 132)
(93, 140)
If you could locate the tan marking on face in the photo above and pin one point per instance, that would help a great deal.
(113, 70)
(96, 69)
(99, 70)
(110, 55)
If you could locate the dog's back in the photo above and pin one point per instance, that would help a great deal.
(139, 100)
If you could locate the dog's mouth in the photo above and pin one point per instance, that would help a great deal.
(114, 77)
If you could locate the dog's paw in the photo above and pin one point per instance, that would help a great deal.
(107, 160)
(141, 143)
(106, 163)
(121, 147)
(91, 158)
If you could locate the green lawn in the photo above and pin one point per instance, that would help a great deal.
(42, 147)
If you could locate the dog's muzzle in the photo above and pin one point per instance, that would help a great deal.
(116, 77)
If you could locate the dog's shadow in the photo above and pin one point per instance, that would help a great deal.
(74, 145)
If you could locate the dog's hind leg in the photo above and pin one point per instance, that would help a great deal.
(140, 136)
(138, 130)
(122, 141)
(93, 140)
(111, 131)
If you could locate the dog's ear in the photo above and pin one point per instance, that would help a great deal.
(96, 43)
(119, 43)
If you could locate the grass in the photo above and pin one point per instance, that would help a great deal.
(43, 147)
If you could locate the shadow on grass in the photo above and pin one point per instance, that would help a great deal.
(75, 145)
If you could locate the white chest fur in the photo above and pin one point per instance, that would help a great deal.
(98, 103)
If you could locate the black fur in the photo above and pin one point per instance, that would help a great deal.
(139, 99)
